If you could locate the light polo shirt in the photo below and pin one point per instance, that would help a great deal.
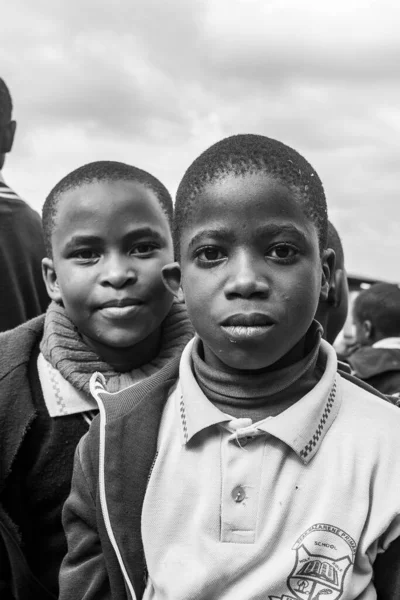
(293, 507)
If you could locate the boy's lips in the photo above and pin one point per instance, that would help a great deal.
(120, 308)
(246, 326)
(248, 320)
(121, 302)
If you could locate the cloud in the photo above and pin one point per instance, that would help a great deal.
(155, 83)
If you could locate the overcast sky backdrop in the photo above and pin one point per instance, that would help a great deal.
(155, 82)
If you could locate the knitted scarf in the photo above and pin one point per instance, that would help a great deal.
(65, 350)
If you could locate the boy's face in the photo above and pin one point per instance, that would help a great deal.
(252, 274)
(110, 242)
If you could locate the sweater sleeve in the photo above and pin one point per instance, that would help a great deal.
(83, 572)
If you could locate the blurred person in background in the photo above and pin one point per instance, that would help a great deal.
(22, 291)
(376, 315)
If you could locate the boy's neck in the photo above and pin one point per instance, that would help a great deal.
(126, 359)
(293, 356)
(263, 393)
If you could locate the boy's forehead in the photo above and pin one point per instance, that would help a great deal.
(245, 195)
(96, 197)
(102, 189)
(108, 209)
(245, 207)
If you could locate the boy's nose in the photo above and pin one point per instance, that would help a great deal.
(246, 280)
(118, 272)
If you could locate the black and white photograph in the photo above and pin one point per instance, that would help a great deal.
(200, 300)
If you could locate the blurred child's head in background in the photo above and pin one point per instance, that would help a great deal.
(376, 313)
(7, 125)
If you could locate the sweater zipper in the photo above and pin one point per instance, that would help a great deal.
(151, 468)
(95, 388)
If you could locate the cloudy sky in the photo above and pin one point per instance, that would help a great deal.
(155, 82)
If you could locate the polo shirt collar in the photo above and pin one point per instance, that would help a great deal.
(196, 412)
(61, 398)
(302, 426)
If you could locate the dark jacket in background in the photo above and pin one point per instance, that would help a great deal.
(379, 367)
(22, 291)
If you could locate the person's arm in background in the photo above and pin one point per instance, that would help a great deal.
(387, 572)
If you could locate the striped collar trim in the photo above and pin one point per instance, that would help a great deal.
(61, 398)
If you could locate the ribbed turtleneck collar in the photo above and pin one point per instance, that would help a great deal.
(258, 394)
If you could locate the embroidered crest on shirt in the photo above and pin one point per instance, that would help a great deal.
(324, 554)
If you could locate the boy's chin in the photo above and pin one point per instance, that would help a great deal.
(123, 343)
(244, 361)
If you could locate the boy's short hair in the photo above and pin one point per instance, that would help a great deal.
(249, 154)
(5, 103)
(102, 170)
(335, 243)
(380, 304)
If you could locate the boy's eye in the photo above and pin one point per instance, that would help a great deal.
(86, 254)
(143, 249)
(283, 252)
(210, 254)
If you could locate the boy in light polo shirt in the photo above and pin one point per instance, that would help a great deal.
(257, 472)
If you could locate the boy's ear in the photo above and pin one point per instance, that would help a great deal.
(367, 329)
(337, 288)
(171, 275)
(328, 273)
(7, 137)
(51, 281)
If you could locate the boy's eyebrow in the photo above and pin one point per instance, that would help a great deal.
(221, 233)
(141, 232)
(145, 231)
(273, 229)
(269, 229)
(78, 240)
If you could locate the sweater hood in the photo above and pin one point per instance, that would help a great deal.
(368, 362)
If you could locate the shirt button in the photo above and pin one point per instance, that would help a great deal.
(238, 493)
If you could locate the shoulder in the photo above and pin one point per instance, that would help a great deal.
(369, 416)
(17, 345)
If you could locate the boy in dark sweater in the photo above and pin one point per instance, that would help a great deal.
(22, 291)
(246, 477)
(376, 314)
(107, 232)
